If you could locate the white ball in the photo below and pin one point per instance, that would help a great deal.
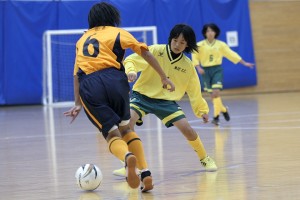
(88, 177)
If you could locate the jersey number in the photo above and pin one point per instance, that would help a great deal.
(211, 58)
(95, 44)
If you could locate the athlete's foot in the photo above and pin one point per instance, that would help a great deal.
(216, 121)
(120, 172)
(226, 114)
(130, 166)
(209, 164)
(146, 181)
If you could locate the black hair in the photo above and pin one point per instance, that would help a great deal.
(188, 34)
(214, 27)
(103, 14)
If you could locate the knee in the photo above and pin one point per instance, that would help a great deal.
(111, 135)
(124, 130)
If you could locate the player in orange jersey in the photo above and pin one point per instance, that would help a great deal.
(101, 87)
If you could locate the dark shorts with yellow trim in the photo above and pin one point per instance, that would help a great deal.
(105, 97)
(167, 111)
(213, 78)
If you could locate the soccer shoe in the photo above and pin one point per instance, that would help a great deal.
(209, 164)
(226, 114)
(130, 165)
(146, 181)
(216, 121)
(120, 172)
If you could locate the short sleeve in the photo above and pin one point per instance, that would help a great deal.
(128, 41)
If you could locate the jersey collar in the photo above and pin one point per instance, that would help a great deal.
(170, 56)
(210, 44)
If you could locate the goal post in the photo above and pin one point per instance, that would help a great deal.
(59, 56)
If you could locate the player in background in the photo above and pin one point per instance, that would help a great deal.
(149, 97)
(101, 87)
(208, 61)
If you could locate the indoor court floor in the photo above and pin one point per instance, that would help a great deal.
(257, 153)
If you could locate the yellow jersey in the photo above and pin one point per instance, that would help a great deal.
(104, 47)
(179, 70)
(211, 54)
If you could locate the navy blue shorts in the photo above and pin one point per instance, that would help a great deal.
(105, 97)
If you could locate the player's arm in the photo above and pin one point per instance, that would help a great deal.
(196, 61)
(198, 103)
(247, 64)
(74, 111)
(128, 41)
(134, 64)
(234, 57)
(76, 91)
(200, 69)
(167, 84)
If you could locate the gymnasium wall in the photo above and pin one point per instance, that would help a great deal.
(22, 24)
(276, 31)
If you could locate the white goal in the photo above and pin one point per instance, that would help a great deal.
(59, 56)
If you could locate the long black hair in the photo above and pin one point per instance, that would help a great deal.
(214, 27)
(188, 34)
(103, 14)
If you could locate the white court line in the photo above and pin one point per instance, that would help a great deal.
(254, 115)
(65, 134)
(246, 128)
(203, 127)
(268, 122)
(47, 135)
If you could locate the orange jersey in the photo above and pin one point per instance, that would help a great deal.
(104, 47)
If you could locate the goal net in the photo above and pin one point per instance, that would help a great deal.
(59, 56)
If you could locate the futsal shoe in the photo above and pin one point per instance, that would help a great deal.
(130, 165)
(216, 121)
(120, 172)
(146, 181)
(209, 164)
(226, 114)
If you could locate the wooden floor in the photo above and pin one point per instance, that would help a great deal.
(257, 153)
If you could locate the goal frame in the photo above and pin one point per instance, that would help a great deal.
(47, 58)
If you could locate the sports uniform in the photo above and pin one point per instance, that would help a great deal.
(104, 89)
(210, 56)
(148, 95)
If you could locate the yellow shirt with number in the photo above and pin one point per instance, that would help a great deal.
(180, 71)
(211, 54)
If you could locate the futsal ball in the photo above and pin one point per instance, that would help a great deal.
(88, 177)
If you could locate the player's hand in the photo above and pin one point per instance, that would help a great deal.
(250, 65)
(131, 76)
(201, 71)
(73, 112)
(167, 84)
(205, 118)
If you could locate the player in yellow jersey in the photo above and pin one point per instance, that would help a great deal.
(149, 97)
(208, 61)
(101, 87)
